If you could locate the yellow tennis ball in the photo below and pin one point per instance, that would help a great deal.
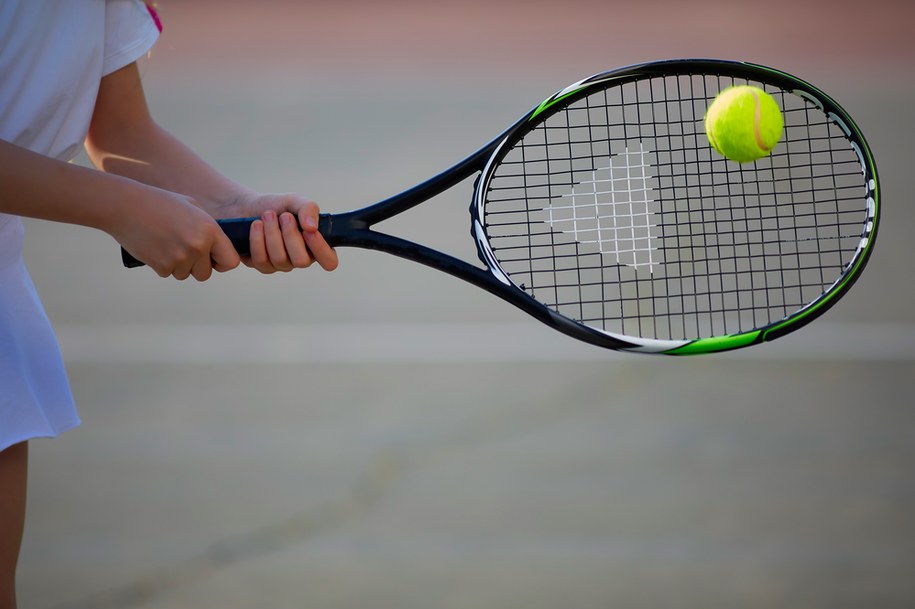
(744, 123)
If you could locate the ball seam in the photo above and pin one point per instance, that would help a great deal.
(757, 118)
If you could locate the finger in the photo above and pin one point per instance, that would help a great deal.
(160, 270)
(182, 272)
(223, 255)
(323, 253)
(203, 268)
(276, 247)
(259, 259)
(158, 262)
(294, 243)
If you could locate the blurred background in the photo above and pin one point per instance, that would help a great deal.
(385, 436)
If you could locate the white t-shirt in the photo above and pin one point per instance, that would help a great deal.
(53, 55)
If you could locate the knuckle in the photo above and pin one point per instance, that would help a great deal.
(264, 268)
(302, 260)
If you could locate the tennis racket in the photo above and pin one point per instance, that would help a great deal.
(604, 213)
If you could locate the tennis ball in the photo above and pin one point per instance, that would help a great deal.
(743, 123)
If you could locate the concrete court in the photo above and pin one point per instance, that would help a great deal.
(386, 437)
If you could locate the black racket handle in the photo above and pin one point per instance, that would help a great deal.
(236, 229)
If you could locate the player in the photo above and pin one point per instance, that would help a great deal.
(69, 78)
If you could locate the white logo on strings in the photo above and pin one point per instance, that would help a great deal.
(613, 208)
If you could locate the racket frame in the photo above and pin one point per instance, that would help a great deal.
(353, 229)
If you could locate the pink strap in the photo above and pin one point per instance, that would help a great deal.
(154, 15)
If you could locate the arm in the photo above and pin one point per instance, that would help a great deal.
(169, 233)
(123, 139)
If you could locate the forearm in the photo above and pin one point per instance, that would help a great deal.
(145, 152)
(123, 139)
(157, 226)
(36, 186)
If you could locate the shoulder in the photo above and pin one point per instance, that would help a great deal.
(131, 29)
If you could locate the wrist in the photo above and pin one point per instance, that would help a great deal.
(236, 203)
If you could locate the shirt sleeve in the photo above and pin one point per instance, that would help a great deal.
(130, 32)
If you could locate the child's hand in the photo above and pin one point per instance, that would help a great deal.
(277, 244)
(174, 237)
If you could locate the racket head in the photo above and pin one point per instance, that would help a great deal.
(607, 207)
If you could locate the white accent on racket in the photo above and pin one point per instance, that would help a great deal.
(613, 208)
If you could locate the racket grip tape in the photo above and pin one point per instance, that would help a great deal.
(236, 229)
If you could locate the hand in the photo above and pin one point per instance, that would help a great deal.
(174, 237)
(277, 243)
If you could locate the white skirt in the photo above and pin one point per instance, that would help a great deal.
(35, 396)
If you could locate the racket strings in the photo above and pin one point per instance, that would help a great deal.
(616, 212)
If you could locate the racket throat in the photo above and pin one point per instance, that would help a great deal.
(342, 229)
